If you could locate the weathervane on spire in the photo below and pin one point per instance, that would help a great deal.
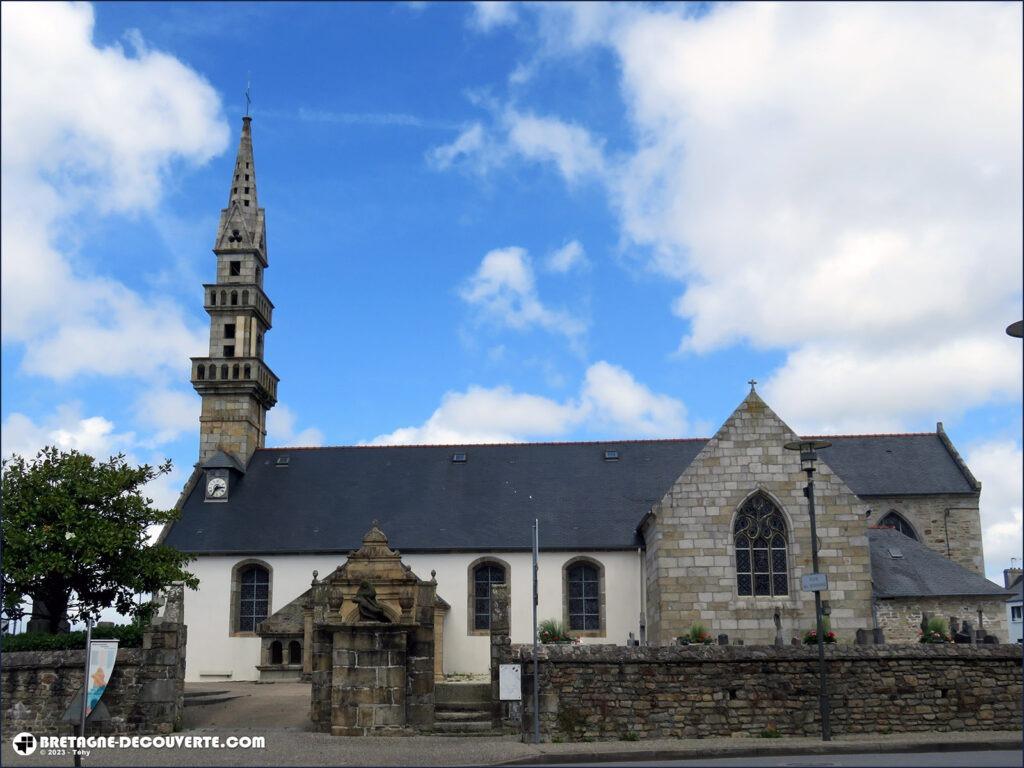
(248, 93)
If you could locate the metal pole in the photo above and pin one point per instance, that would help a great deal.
(823, 704)
(85, 691)
(536, 648)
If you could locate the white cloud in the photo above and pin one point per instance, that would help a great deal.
(281, 431)
(546, 139)
(567, 146)
(490, 14)
(569, 256)
(839, 388)
(468, 144)
(999, 465)
(67, 429)
(504, 290)
(839, 181)
(170, 412)
(96, 436)
(88, 131)
(610, 401)
(611, 396)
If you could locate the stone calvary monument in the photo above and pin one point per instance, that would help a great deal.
(372, 644)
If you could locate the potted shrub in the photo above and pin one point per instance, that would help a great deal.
(936, 631)
(699, 634)
(552, 631)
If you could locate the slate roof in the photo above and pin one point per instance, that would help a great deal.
(326, 498)
(1017, 591)
(880, 465)
(919, 571)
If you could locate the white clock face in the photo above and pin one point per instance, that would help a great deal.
(217, 488)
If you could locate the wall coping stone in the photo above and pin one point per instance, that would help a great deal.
(698, 654)
(59, 659)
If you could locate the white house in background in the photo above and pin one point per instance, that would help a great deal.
(1014, 579)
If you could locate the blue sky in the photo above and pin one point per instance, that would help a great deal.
(502, 222)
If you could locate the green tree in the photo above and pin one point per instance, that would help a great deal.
(75, 536)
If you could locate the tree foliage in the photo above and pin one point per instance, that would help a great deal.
(75, 536)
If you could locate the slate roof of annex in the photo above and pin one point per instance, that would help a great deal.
(325, 498)
(917, 571)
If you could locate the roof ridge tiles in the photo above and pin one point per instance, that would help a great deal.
(488, 445)
(875, 434)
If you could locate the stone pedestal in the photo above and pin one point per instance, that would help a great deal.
(372, 676)
(368, 679)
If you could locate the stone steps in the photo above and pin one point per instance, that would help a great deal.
(473, 728)
(447, 716)
(205, 698)
(463, 709)
(468, 692)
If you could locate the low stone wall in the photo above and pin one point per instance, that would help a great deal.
(145, 693)
(608, 692)
(900, 618)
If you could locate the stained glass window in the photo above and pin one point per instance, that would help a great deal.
(761, 558)
(897, 521)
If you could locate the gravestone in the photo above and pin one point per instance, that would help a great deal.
(373, 645)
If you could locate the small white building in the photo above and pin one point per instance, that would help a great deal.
(1014, 579)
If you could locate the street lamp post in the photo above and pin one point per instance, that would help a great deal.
(808, 455)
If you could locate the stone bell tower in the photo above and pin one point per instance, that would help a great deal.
(237, 386)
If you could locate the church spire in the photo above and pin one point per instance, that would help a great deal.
(241, 223)
(236, 385)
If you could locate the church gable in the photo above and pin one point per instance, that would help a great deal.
(694, 572)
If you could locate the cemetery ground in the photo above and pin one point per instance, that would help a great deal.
(279, 713)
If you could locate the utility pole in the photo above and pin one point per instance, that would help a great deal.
(536, 646)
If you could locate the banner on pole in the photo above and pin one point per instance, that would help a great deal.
(102, 657)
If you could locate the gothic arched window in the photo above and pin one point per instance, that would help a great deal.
(895, 520)
(276, 656)
(761, 557)
(201, 371)
(484, 575)
(294, 652)
(234, 298)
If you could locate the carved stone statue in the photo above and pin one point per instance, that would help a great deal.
(369, 608)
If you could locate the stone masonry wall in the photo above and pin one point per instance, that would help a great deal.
(233, 423)
(900, 618)
(690, 557)
(606, 692)
(145, 693)
(927, 515)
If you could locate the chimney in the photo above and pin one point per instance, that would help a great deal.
(1010, 575)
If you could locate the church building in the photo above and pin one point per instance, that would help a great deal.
(638, 538)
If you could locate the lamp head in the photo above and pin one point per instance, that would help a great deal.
(808, 451)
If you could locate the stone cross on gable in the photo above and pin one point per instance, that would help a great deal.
(752, 383)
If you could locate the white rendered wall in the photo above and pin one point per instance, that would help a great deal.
(1015, 627)
(211, 649)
